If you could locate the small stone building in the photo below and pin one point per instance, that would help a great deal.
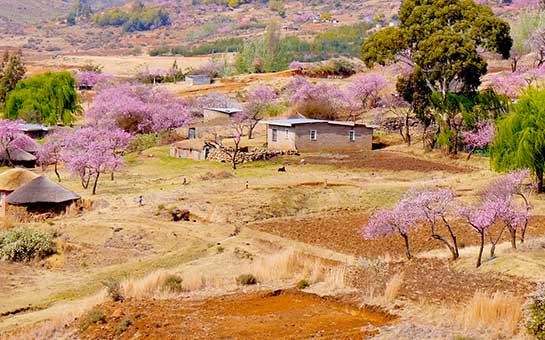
(314, 135)
(195, 149)
(198, 79)
(219, 115)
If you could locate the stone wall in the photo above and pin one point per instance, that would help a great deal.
(250, 156)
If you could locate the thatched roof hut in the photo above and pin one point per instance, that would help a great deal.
(19, 157)
(12, 179)
(42, 190)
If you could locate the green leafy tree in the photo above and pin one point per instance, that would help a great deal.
(11, 71)
(439, 39)
(520, 137)
(48, 98)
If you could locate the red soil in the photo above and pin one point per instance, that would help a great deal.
(259, 315)
(383, 160)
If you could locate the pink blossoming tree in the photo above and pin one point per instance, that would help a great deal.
(260, 99)
(398, 220)
(480, 137)
(89, 152)
(138, 109)
(11, 138)
(434, 206)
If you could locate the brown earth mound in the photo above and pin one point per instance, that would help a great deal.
(259, 315)
(434, 281)
(382, 160)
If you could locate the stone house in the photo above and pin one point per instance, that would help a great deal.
(195, 149)
(314, 135)
(198, 79)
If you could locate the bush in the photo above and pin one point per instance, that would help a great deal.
(536, 312)
(246, 280)
(123, 326)
(173, 284)
(302, 284)
(113, 288)
(144, 141)
(92, 318)
(22, 245)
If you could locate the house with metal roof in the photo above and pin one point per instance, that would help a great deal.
(312, 135)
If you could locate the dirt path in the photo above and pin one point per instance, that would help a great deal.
(261, 315)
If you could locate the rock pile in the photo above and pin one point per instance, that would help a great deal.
(254, 155)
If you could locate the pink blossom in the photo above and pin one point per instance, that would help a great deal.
(365, 90)
(481, 136)
(90, 79)
(138, 108)
(89, 152)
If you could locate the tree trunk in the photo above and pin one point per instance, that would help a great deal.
(470, 153)
(494, 242)
(513, 233)
(452, 250)
(407, 248)
(96, 182)
(407, 131)
(480, 250)
(453, 238)
(57, 172)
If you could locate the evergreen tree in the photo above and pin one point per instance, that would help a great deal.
(11, 71)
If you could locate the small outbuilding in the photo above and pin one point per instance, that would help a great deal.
(11, 180)
(313, 135)
(42, 195)
(195, 149)
(18, 157)
(198, 79)
(219, 115)
(34, 130)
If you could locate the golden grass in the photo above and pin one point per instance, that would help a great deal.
(499, 313)
(392, 287)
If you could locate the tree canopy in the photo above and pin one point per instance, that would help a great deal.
(11, 71)
(48, 98)
(439, 40)
(520, 137)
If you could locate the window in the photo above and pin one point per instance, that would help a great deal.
(352, 135)
(275, 135)
(192, 133)
(313, 135)
(287, 133)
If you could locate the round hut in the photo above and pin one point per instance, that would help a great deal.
(42, 195)
(12, 180)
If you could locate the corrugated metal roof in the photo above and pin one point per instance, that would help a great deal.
(33, 127)
(296, 121)
(226, 110)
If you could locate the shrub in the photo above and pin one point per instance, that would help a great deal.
(246, 280)
(536, 312)
(92, 318)
(144, 141)
(220, 249)
(302, 284)
(173, 284)
(25, 244)
(113, 288)
(123, 326)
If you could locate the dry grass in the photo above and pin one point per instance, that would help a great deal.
(499, 313)
(391, 291)
(56, 326)
(392, 287)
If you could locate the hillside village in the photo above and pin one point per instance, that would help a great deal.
(272, 169)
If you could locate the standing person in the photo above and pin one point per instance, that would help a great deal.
(141, 200)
